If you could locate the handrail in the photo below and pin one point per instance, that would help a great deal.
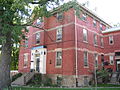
(28, 76)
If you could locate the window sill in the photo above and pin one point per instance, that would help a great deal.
(111, 44)
(58, 66)
(85, 41)
(95, 45)
(58, 40)
(102, 47)
(86, 66)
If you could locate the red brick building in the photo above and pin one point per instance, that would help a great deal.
(70, 47)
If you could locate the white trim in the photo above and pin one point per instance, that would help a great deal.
(56, 59)
(76, 57)
(111, 30)
(82, 26)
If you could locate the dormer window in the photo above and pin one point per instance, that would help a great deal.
(60, 16)
(84, 17)
(101, 27)
(94, 23)
(38, 22)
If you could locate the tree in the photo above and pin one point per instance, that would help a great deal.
(14, 58)
(14, 16)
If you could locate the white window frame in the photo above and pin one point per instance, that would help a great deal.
(85, 59)
(59, 34)
(59, 16)
(101, 27)
(25, 58)
(111, 59)
(94, 23)
(84, 17)
(26, 42)
(37, 38)
(101, 42)
(86, 80)
(58, 58)
(95, 39)
(85, 39)
(96, 59)
(111, 39)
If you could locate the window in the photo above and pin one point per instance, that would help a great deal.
(25, 56)
(37, 36)
(59, 34)
(38, 22)
(101, 41)
(95, 39)
(111, 40)
(111, 58)
(60, 16)
(85, 59)
(96, 59)
(84, 17)
(94, 23)
(58, 58)
(86, 82)
(26, 42)
(101, 27)
(84, 35)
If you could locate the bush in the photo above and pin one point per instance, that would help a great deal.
(16, 76)
(39, 80)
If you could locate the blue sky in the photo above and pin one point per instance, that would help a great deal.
(106, 9)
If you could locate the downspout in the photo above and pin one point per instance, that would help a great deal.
(76, 55)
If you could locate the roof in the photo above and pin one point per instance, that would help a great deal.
(88, 11)
(111, 30)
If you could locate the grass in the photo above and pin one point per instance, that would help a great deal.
(25, 88)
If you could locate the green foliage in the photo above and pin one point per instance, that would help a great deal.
(39, 80)
(15, 57)
(16, 76)
(104, 75)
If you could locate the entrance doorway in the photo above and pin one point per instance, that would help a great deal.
(118, 65)
(38, 64)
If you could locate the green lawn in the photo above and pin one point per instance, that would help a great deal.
(25, 88)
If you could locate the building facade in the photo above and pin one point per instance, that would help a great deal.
(68, 47)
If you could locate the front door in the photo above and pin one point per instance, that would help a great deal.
(37, 64)
(118, 65)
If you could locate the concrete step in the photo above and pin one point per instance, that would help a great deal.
(23, 80)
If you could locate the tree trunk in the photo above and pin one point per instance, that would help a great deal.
(5, 63)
